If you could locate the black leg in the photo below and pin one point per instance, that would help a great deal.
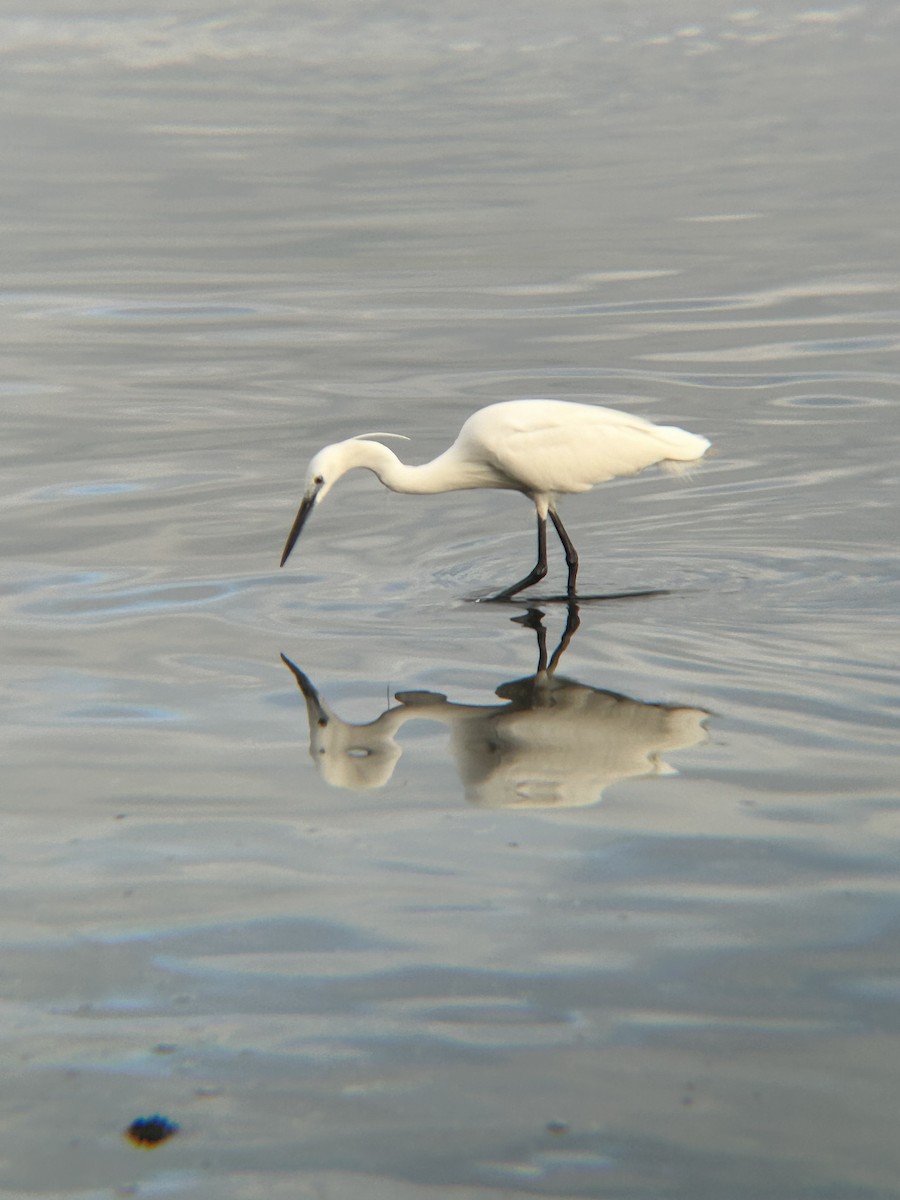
(571, 552)
(540, 567)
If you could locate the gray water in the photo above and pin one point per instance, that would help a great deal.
(629, 929)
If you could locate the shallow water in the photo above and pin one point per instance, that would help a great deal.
(629, 930)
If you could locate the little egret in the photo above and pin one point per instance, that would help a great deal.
(540, 448)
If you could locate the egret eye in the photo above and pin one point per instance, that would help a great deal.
(319, 479)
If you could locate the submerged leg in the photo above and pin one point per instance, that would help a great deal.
(571, 552)
(540, 567)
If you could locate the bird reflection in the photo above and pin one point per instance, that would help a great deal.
(551, 743)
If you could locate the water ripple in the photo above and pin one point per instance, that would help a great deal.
(130, 602)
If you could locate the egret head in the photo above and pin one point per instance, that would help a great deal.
(325, 470)
(322, 474)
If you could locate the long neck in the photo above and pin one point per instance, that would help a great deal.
(446, 473)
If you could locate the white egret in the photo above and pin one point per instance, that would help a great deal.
(541, 448)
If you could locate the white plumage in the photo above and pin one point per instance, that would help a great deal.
(542, 448)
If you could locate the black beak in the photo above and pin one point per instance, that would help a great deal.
(299, 521)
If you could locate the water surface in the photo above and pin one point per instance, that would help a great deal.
(629, 930)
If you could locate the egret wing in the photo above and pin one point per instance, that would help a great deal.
(554, 446)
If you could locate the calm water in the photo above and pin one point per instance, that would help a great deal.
(631, 929)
